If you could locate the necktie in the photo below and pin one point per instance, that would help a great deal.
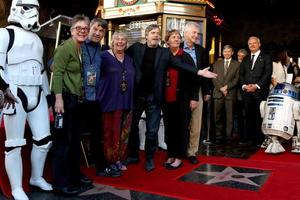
(252, 61)
(226, 67)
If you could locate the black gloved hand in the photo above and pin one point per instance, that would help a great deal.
(9, 99)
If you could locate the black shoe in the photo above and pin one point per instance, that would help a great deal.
(221, 142)
(228, 141)
(165, 164)
(114, 167)
(193, 160)
(108, 172)
(245, 142)
(67, 191)
(132, 160)
(85, 180)
(171, 167)
(149, 165)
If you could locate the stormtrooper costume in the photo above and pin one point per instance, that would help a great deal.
(21, 67)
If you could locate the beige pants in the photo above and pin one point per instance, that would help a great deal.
(195, 127)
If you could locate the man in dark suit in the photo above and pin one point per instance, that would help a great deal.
(151, 62)
(255, 78)
(199, 55)
(225, 94)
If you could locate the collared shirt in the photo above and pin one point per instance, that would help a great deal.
(229, 60)
(91, 60)
(190, 51)
(256, 54)
(255, 57)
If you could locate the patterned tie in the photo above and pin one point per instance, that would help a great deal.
(226, 67)
(252, 61)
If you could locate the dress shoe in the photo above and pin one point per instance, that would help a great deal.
(121, 166)
(85, 180)
(193, 160)
(171, 167)
(108, 172)
(149, 165)
(132, 160)
(165, 164)
(221, 142)
(67, 190)
(114, 167)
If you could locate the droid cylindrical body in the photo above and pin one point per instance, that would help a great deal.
(278, 118)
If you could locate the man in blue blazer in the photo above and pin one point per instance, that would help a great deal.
(255, 78)
(199, 54)
(151, 62)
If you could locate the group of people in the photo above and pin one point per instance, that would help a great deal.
(241, 86)
(104, 90)
(96, 89)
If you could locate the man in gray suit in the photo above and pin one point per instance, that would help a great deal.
(225, 94)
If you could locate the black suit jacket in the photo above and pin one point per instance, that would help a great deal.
(202, 62)
(188, 88)
(163, 59)
(260, 74)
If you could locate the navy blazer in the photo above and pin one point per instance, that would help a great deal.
(202, 63)
(163, 59)
(260, 74)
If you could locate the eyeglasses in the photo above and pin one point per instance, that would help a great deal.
(79, 29)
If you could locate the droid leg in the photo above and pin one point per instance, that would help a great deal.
(274, 147)
(296, 144)
(296, 139)
(266, 142)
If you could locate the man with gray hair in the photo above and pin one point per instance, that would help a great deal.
(241, 54)
(255, 77)
(225, 94)
(151, 62)
(199, 55)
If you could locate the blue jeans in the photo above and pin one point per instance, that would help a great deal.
(153, 115)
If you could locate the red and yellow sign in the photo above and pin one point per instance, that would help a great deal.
(128, 2)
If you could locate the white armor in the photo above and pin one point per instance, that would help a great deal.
(22, 69)
(280, 112)
(25, 13)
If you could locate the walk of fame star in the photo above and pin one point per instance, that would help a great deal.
(230, 174)
(227, 176)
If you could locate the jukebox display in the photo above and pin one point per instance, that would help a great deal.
(134, 15)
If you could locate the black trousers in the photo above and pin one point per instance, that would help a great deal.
(253, 119)
(153, 116)
(177, 116)
(91, 116)
(66, 148)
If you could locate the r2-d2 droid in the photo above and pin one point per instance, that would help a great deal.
(279, 113)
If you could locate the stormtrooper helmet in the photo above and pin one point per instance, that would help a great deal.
(25, 12)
